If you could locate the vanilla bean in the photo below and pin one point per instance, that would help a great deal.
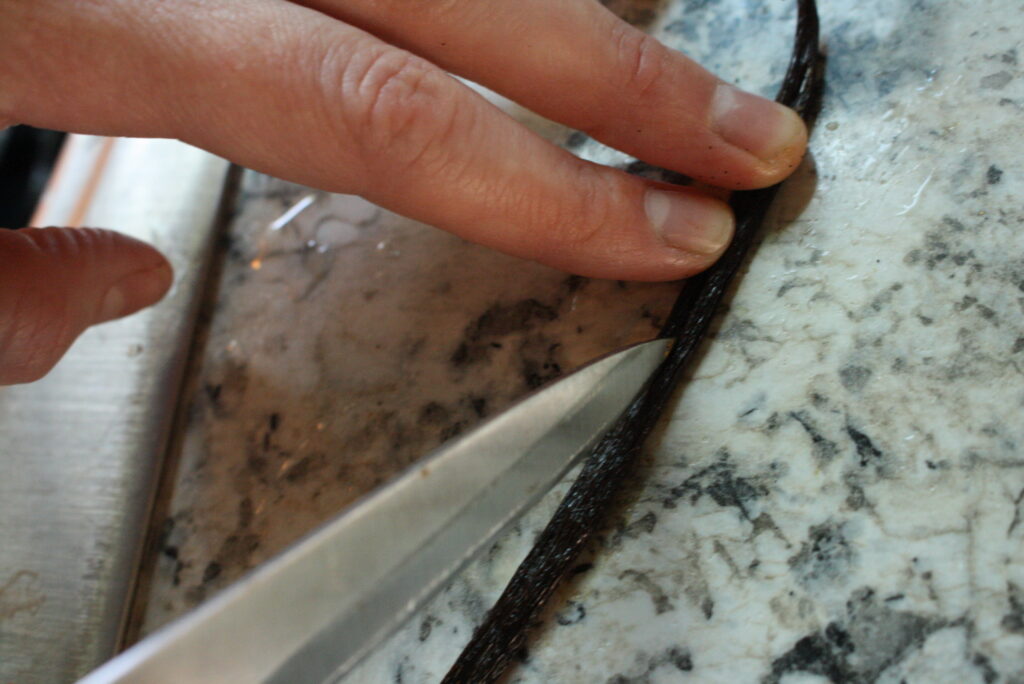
(581, 513)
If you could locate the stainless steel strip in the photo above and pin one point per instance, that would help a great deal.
(80, 450)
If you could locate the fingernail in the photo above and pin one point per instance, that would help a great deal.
(764, 128)
(134, 292)
(692, 223)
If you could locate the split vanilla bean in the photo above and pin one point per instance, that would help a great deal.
(582, 512)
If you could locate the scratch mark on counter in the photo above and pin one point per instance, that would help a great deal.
(917, 195)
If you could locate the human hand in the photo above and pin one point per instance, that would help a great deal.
(353, 96)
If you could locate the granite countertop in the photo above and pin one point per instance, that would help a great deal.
(837, 494)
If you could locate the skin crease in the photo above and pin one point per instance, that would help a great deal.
(355, 96)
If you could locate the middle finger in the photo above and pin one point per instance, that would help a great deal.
(574, 61)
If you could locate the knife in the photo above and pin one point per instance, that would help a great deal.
(315, 611)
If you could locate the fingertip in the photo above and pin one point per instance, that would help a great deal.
(773, 134)
(689, 221)
(134, 292)
(58, 282)
(105, 274)
(649, 232)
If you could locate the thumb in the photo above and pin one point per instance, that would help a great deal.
(56, 282)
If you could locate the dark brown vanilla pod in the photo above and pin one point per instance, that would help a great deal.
(582, 511)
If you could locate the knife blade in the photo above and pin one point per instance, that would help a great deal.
(319, 608)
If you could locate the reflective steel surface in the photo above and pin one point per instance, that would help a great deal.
(312, 613)
(80, 451)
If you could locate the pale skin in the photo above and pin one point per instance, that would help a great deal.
(356, 96)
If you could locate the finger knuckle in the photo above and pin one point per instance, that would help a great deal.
(393, 102)
(641, 59)
(584, 229)
(571, 224)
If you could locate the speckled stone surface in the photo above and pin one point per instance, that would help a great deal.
(837, 495)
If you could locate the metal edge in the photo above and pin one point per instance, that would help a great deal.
(122, 668)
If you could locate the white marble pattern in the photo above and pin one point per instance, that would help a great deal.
(837, 496)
